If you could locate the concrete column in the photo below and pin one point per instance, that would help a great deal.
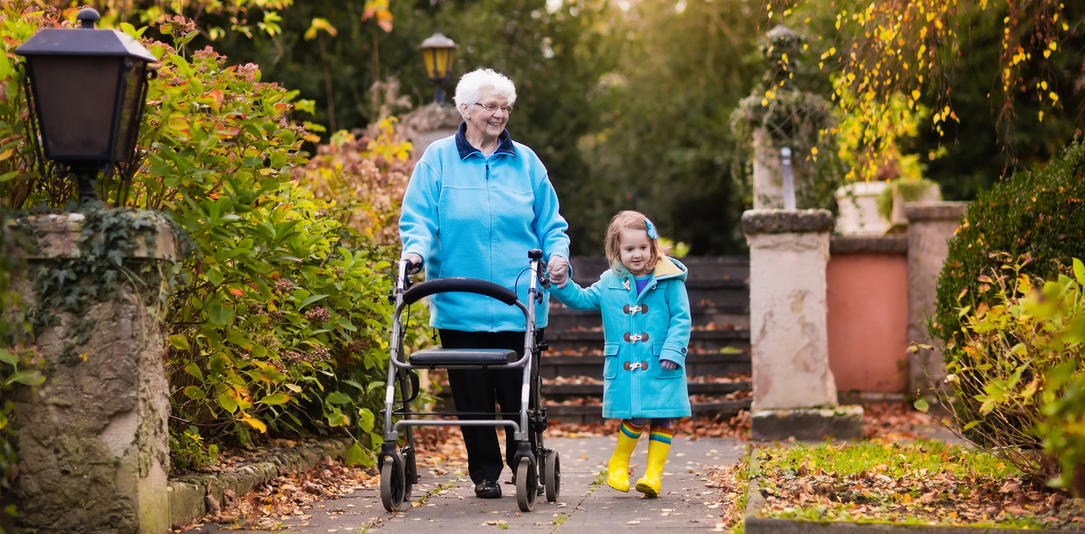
(794, 393)
(93, 440)
(930, 227)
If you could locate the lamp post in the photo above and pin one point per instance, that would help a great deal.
(86, 88)
(437, 53)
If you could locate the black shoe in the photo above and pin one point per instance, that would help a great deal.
(487, 489)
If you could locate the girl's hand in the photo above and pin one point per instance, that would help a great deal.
(558, 270)
(668, 365)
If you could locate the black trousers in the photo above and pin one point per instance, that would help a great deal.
(476, 390)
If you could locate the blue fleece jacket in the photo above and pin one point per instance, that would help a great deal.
(469, 215)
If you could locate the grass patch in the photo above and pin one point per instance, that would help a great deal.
(600, 479)
(909, 482)
(894, 459)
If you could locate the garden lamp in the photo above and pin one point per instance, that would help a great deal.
(86, 89)
(437, 53)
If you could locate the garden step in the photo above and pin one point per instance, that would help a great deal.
(721, 316)
(553, 391)
(588, 268)
(697, 364)
(728, 295)
(700, 340)
(570, 413)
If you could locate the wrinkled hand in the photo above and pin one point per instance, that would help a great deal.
(414, 262)
(668, 365)
(558, 270)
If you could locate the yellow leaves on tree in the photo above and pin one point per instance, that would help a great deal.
(904, 48)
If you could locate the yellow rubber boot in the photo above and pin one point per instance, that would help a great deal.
(659, 445)
(618, 467)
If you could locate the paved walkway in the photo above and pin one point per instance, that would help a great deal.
(586, 504)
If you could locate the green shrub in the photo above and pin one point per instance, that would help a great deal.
(277, 325)
(1036, 212)
(280, 326)
(1017, 381)
(1062, 399)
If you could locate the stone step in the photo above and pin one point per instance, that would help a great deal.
(562, 391)
(583, 414)
(713, 341)
(730, 295)
(697, 364)
(721, 316)
(588, 268)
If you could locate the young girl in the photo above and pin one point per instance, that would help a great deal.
(646, 324)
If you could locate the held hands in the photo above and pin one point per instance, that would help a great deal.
(414, 262)
(668, 365)
(558, 270)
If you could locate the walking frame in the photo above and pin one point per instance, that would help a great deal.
(533, 462)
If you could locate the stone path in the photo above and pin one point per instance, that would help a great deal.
(446, 501)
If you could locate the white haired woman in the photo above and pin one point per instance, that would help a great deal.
(476, 203)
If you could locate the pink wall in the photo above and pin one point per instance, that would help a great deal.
(867, 321)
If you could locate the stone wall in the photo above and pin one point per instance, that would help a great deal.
(867, 303)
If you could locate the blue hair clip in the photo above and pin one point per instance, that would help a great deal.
(651, 229)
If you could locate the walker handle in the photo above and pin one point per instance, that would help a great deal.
(465, 285)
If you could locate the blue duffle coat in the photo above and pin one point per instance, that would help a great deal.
(639, 331)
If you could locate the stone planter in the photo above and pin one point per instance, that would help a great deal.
(858, 206)
(858, 209)
(919, 192)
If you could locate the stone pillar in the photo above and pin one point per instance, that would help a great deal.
(428, 124)
(793, 389)
(930, 227)
(93, 440)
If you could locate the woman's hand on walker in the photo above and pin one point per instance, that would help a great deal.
(668, 365)
(558, 270)
(414, 262)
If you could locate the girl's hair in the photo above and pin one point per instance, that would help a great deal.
(628, 220)
(470, 87)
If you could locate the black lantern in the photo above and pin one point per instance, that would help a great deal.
(86, 88)
(437, 53)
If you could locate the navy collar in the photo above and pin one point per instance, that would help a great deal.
(504, 143)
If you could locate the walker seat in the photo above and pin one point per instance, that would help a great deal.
(462, 357)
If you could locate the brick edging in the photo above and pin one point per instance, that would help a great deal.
(187, 494)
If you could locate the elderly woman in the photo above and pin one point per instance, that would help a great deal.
(476, 203)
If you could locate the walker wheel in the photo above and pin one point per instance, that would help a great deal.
(552, 475)
(393, 484)
(527, 484)
(410, 471)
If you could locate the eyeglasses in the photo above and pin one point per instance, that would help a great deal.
(493, 108)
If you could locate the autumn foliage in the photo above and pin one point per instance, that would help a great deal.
(277, 324)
